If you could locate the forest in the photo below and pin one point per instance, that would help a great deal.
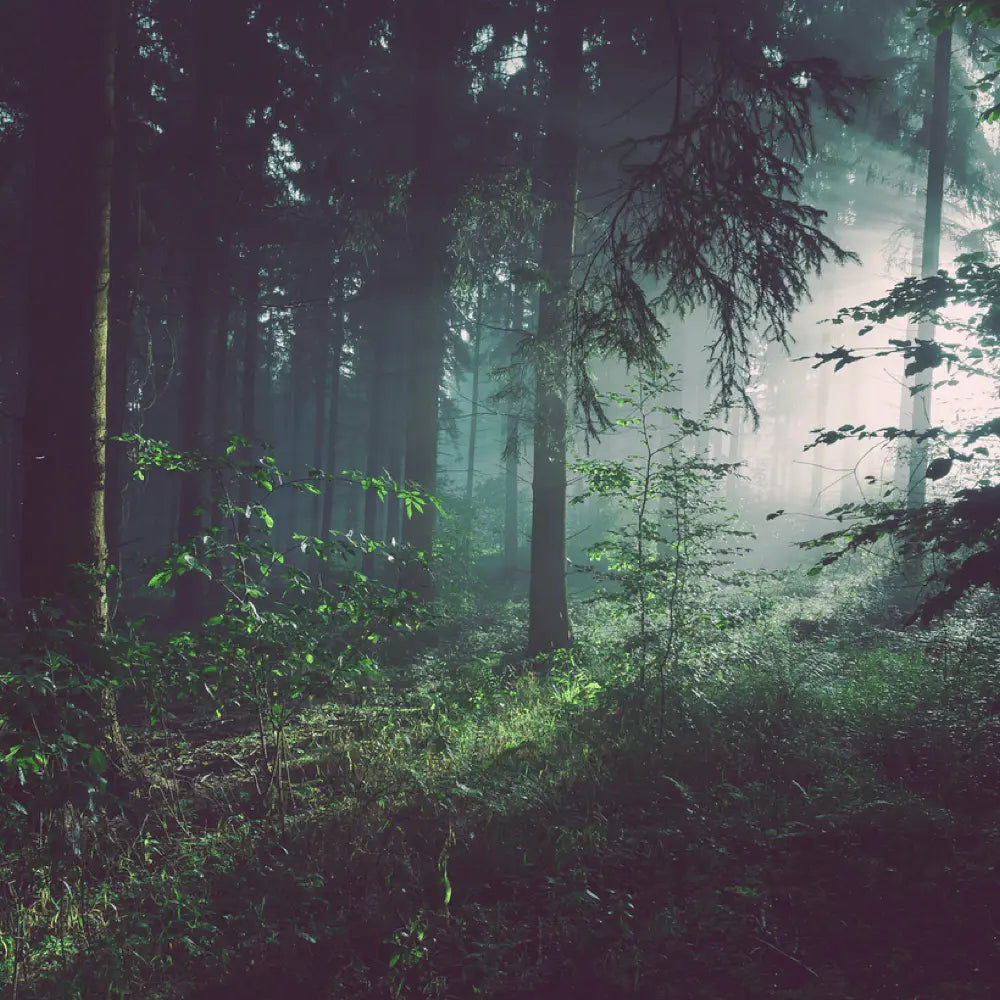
(498, 499)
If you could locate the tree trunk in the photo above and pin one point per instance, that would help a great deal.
(548, 613)
(518, 299)
(374, 463)
(65, 414)
(424, 381)
(122, 288)
(398, 388)
(822, 390)
(901, 472)
(189, 593)
(330, 458)
(938, 141)
(734, 453)
(220, 366)
(63, 540)
(512, 445)
(321, 423)
(219, 395)
(431, 34)
(470, 472)
(251, 357)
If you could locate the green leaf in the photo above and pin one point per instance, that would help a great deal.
(98, 760)
(193, 563)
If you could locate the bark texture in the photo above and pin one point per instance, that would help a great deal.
(65, 414)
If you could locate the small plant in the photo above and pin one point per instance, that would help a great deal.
(676, 533)
(54, 684)
(281, 634)
(409, 949)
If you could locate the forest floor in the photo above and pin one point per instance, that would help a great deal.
(807, 809)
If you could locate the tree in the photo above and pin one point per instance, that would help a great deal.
(959, 525)
(548, 613)
(429, 39)
(202, 259)
(72, 128)
(707, 211)
(476, 335)
(921, 389)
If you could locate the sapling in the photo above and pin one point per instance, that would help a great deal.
(675, 533)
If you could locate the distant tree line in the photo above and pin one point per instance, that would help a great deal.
(276, 219)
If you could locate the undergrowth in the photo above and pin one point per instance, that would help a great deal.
(818, 820)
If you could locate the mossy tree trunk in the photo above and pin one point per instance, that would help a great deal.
(64, 426)
(63, 538)
(122, 292)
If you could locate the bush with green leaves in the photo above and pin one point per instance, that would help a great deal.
(54, 678)
(674, 533)
(277, 635)
(954, 537)
(281, 633)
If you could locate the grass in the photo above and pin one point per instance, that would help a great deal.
(818, 821)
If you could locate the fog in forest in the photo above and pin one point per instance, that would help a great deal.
(304, 301)
(499, 498)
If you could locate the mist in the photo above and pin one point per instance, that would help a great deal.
(499, 499)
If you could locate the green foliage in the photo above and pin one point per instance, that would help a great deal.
(817, 820)
(54, 674)
(960, 526)
(281, 635)
(676, 535)
(718, 182)
(941, 15)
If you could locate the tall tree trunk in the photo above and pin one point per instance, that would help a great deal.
(251, 356)
(306, 347)
(470, 472)
(220, 363)
(122, 288)
(63, 540)
(190, 587)
(395, 432)
(518, 300)
(65, 411)
(901, 473)
(333, 414)
(822, 391)
(431, 33)
(321, 423)
(219, 395)
(512, 444)
(374, 459)
(737, 424)
(423, 385)
(548, 613)
(938, 141)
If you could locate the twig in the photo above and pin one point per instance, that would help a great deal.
(784, 954)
